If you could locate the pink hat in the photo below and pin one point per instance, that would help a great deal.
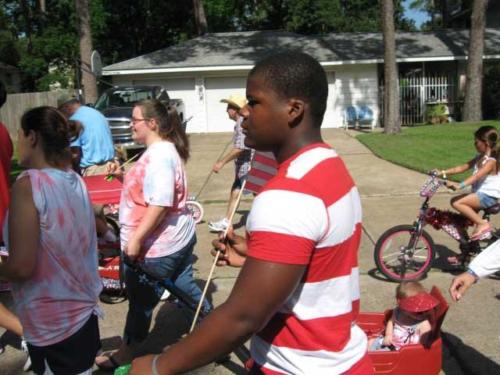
(418, 303)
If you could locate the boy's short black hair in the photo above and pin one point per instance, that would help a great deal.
(296, 74)
(3, 94)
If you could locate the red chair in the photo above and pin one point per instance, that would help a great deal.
(412, 359)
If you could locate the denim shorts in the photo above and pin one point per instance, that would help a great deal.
(486, 200)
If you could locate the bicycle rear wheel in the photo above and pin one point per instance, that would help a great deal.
(196, 210)
(401, 255)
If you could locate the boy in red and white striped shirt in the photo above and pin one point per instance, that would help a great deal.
(298, 290)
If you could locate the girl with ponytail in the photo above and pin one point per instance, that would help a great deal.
(485, 181)
(156, 228)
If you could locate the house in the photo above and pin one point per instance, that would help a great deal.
(11, 77)
(459, 15)
(206, 69)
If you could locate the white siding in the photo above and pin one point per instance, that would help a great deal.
(347, 85)
(218, 88)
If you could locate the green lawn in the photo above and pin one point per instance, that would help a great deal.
(14, 171)
(425, 147)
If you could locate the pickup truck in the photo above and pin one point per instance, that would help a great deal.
(116, 105)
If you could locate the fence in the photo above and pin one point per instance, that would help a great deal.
(17, 104)
(415, 91)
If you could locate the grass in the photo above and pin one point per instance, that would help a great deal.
(15, 169)
(423, 148)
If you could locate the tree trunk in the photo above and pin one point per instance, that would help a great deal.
(199, 17)
(474, 80)
(42, 6)
(88, 80)
(392, 123)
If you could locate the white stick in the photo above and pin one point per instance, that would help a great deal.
(216, 258)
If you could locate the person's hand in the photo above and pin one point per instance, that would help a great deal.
(452, 185)
(133, 249)
(387, 341)
(460, 284)
(114, 168)
(435, 172)
(217, 166)
(142, 365)
(233, 249)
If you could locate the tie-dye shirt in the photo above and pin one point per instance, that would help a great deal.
(62, 293)
(159, 179)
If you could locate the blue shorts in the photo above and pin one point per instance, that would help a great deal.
(486, 200)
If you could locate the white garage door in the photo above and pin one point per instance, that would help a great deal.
(217, 88)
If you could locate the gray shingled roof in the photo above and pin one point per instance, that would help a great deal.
(246, 48)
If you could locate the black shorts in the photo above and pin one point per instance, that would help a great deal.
(71, 356)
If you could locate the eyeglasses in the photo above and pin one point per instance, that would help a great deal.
(134, 120)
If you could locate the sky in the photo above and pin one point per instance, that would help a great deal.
(418, 17)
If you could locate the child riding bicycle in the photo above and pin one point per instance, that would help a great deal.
(485, 181)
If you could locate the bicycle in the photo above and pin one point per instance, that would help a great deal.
(406, 252)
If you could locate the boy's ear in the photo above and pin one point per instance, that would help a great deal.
(295, 110)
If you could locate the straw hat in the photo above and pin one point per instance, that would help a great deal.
(235, 100)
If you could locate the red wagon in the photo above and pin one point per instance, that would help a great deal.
(107, 192)
(102, 190)
(412, 359)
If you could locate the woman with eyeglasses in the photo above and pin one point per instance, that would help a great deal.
(157, 230)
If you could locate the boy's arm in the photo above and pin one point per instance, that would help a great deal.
(233, 322)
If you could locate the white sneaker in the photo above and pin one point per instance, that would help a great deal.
(27, 364)
(165, 295)
(218, 226)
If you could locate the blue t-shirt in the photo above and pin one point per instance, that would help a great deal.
(95, 139)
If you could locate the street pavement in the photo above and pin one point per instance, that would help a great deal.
(389, 196)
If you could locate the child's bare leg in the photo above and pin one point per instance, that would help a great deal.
(9, 321)
(469, 205)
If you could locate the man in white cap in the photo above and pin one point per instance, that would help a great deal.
(241, 155)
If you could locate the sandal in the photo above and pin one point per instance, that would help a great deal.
(483, 234)
(455, 260)
(108, 368)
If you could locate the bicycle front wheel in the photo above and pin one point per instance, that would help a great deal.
(402, 254)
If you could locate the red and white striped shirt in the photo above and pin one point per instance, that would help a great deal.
(310, 214)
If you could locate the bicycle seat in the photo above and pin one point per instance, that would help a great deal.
(493, 210)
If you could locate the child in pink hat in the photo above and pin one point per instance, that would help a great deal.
(410, 319)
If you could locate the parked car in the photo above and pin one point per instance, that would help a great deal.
(116, 105)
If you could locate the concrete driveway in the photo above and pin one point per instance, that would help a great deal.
(389, 196)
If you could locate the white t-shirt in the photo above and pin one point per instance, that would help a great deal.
(158, 178)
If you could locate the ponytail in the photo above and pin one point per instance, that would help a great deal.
(169, 124)
(489, 134)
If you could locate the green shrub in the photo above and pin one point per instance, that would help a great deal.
(436, 113)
